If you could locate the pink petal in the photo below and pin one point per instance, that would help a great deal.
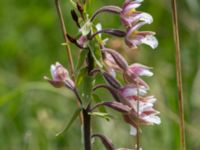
(140, 70)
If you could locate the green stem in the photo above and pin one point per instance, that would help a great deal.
(64, 31)
(179, 75)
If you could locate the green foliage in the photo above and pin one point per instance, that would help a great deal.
(85, 83)
(97, 99)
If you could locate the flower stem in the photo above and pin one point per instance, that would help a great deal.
(64, 31)
(178, 74)
(138, 121)
(68, 50)
(86, 127)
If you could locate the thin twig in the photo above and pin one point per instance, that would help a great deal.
(179, 75)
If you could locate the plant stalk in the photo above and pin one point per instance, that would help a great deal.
(138, 121)
(86, 127)
(178, 74)
(64, 31)
(68, 50)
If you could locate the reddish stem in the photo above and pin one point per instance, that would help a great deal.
(178, 74)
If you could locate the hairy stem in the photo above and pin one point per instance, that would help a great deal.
(86, 127)
(178, 74)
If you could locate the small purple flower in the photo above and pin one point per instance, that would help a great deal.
(58, 72)
(129, 16)
(147, 115)
(140, 70)
(132, 19)
(82, 41)
(60, 77)
(142, 107)
(130, 6)
(134, 79)
(134, 38)
(131, 90)
(133, 73)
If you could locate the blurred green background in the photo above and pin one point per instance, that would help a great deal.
(32, 112)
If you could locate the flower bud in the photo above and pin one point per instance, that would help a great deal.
(82, 41)
(60, 77)
(58, 72)
(112, 81)
(118, 58)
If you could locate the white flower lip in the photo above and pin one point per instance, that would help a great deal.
(152, 119)
(146, 18)
(151, 41)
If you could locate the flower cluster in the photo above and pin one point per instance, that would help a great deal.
(133, 93)
(134, 20)
(130, 97)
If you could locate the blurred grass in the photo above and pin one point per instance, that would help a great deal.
(32, 112)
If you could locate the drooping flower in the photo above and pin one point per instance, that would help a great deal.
(129, 16)
(142, 106)
(133, 73)
(60, 77)
(58, 72)
(116, 62)
(131, 90)
(140, 70)
(134, 37)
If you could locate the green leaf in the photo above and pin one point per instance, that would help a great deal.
(73, 3)
(103, 115)
(86, 28)
(96, 54)
(74, 116)
(81, 59)
(85, 84)
(97, 99)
